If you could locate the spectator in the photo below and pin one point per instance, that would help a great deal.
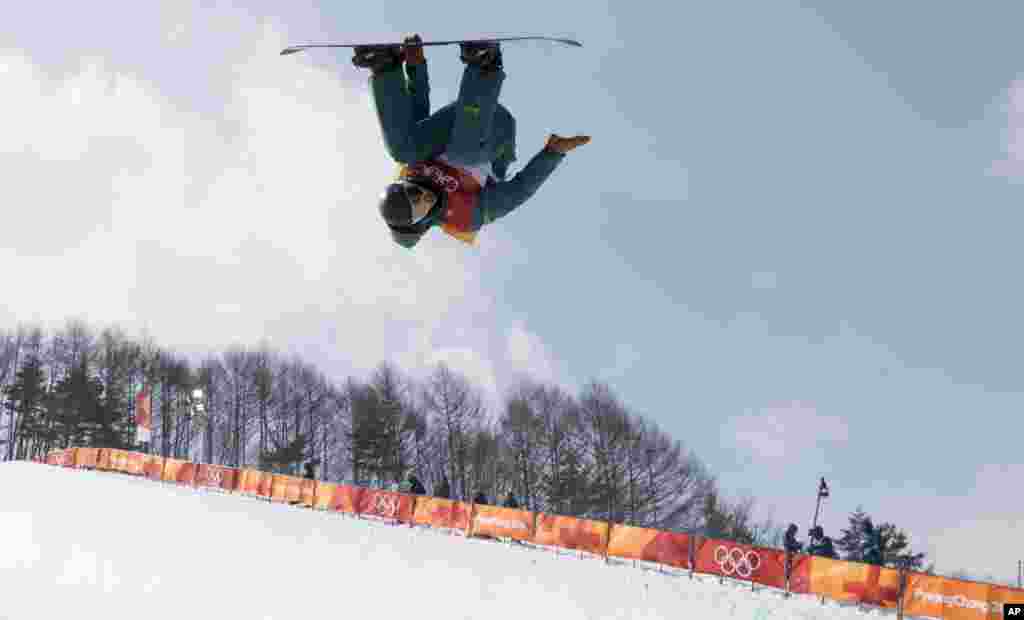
(309, 473)
(791, 544)
(443, 490)
(510, 501)
(826, 548)
(480, 498)
(415, 486)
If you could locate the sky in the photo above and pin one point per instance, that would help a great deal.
(792, 242)
(276, 561)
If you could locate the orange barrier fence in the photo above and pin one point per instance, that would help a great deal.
(386, 505)
(744, 562)
(442, 513)
(496, 522)
(85, 458)
(216, 477)
(638, 543)
(852, 582)
(572, 533)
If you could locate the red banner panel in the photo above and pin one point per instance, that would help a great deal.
(386, 504)
(739, 561)
(153, 467)
(571, 533)
(52, 457)
(800, 574)
(215, 477)
(250, 481)
(307, 493)
(854, 582)
(497, 522)
(442, 513)
(70, 455)
(638, 543)
(266, 485)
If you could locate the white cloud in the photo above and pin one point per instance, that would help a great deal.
(226, 215)
(528, 355)
(1013, 164)
(785, 432)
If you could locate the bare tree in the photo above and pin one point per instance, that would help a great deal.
(456, 408)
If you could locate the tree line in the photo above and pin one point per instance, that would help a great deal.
(586, 455)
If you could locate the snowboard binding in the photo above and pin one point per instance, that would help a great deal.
(486, 55)
(378, 59)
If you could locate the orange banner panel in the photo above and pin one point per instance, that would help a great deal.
(951, 599)
(171, 468)
(638, 543)
(497, 522)
(85, 457)
(442, 513)
(103, 459)
(153, 467)
(1000, 595)
(324, 495)
(136, 463)
(339, 497)
(854, 582)
(572, 533)
(387, 505)
(307, 493)
(249, 481)
(186, 473)
(286, 489)
(278, 486)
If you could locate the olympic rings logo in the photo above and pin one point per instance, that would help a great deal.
(386, 506)
(737, 561)
(448, 182)
(213, 477)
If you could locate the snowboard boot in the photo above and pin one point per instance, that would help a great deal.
(487, 56)
(378, 59)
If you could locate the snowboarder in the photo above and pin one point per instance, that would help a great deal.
(454, 161)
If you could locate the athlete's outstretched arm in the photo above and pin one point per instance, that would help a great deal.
(499, 199)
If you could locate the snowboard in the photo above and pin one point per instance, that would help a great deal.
(298, 48)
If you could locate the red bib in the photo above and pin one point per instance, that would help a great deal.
(462, 195)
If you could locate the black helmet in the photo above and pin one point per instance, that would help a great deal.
(396, 202)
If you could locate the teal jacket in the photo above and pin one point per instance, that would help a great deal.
(412, 135)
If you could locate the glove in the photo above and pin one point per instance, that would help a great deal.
(562, 145)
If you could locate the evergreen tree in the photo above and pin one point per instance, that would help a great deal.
(26, 401)
(881, 545)
(75, 406)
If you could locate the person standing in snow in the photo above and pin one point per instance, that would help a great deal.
(454, 161)
(790, 543)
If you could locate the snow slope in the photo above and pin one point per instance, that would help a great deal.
(90, 544)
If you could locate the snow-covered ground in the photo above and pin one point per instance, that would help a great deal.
(102, 545)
